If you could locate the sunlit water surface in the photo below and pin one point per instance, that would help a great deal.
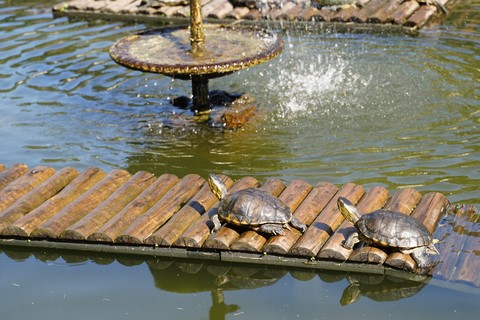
(373, 109)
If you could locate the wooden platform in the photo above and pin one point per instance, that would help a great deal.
(170, 216)
(400, 13)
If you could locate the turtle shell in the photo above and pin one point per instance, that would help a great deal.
(253, 207)
(393, 229)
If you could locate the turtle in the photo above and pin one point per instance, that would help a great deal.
(253, 208)
(390, 229)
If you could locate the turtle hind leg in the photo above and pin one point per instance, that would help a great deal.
(298, 225)
(271, 228)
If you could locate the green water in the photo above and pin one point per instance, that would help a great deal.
(374, 109)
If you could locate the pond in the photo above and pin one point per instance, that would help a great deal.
(374, 109)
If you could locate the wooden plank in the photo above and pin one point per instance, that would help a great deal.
(333, 249)
(118, 223)
(403, 201)
(306, 213)
(326, 223)
(35, 218)
(37, 196)
(421, 16)
(276, 14)
(404, 11)
(185, 217)
(196, 234)
(292, 196)
(109, 207)
(77, 209)
(292, 13)
(12, 173)
(163, 210)
(24, 184)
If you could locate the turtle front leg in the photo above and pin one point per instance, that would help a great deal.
(216, 223)
(271, 228)
(351, 241)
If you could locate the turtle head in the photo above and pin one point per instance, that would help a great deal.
(348, 210)
(218, 187)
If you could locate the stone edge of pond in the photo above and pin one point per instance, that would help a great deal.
(377, 16)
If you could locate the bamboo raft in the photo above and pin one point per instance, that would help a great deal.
(167, 216)
(401, 13)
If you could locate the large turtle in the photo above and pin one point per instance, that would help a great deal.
(392, 229)
(253, 208)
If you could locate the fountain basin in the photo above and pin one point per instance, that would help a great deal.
(168, 51)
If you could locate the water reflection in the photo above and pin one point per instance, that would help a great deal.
(193, 276)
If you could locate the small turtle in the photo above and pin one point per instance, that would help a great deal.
(390, 229)
(253, 208)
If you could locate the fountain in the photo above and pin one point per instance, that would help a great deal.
(184, 53)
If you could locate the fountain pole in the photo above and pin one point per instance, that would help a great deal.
(201, 99)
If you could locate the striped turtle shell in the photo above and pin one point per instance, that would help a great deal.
(393, 229)
(253, 207)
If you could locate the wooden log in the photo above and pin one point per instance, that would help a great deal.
(12, 173)
(37, 196)
(185, 217)
(118, 223)
(384, 14)
(421, 16)
(326, 223)
(170, 11)
(362, 15)
(23, 185)
(292, 196)
(109, 207)
(228, 234)
(132, 8)
(2, 167)
(333, 249)
(196, 235)
(116, 6)
(24, 226)
(163, 210)
(401, 261)
(404, 11)
(404, 200)
(430, 210)
(80, 207)
(306, 213)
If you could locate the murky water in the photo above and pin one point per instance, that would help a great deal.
(373, 109)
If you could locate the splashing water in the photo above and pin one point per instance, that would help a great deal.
(315, 87)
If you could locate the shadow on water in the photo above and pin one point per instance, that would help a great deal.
(192, 276)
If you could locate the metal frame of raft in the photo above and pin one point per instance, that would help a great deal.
(167, 216)
(406, 14)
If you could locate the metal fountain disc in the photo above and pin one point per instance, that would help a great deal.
(168, 50)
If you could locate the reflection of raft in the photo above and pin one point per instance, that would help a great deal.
(168, 216)
(375, 13)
